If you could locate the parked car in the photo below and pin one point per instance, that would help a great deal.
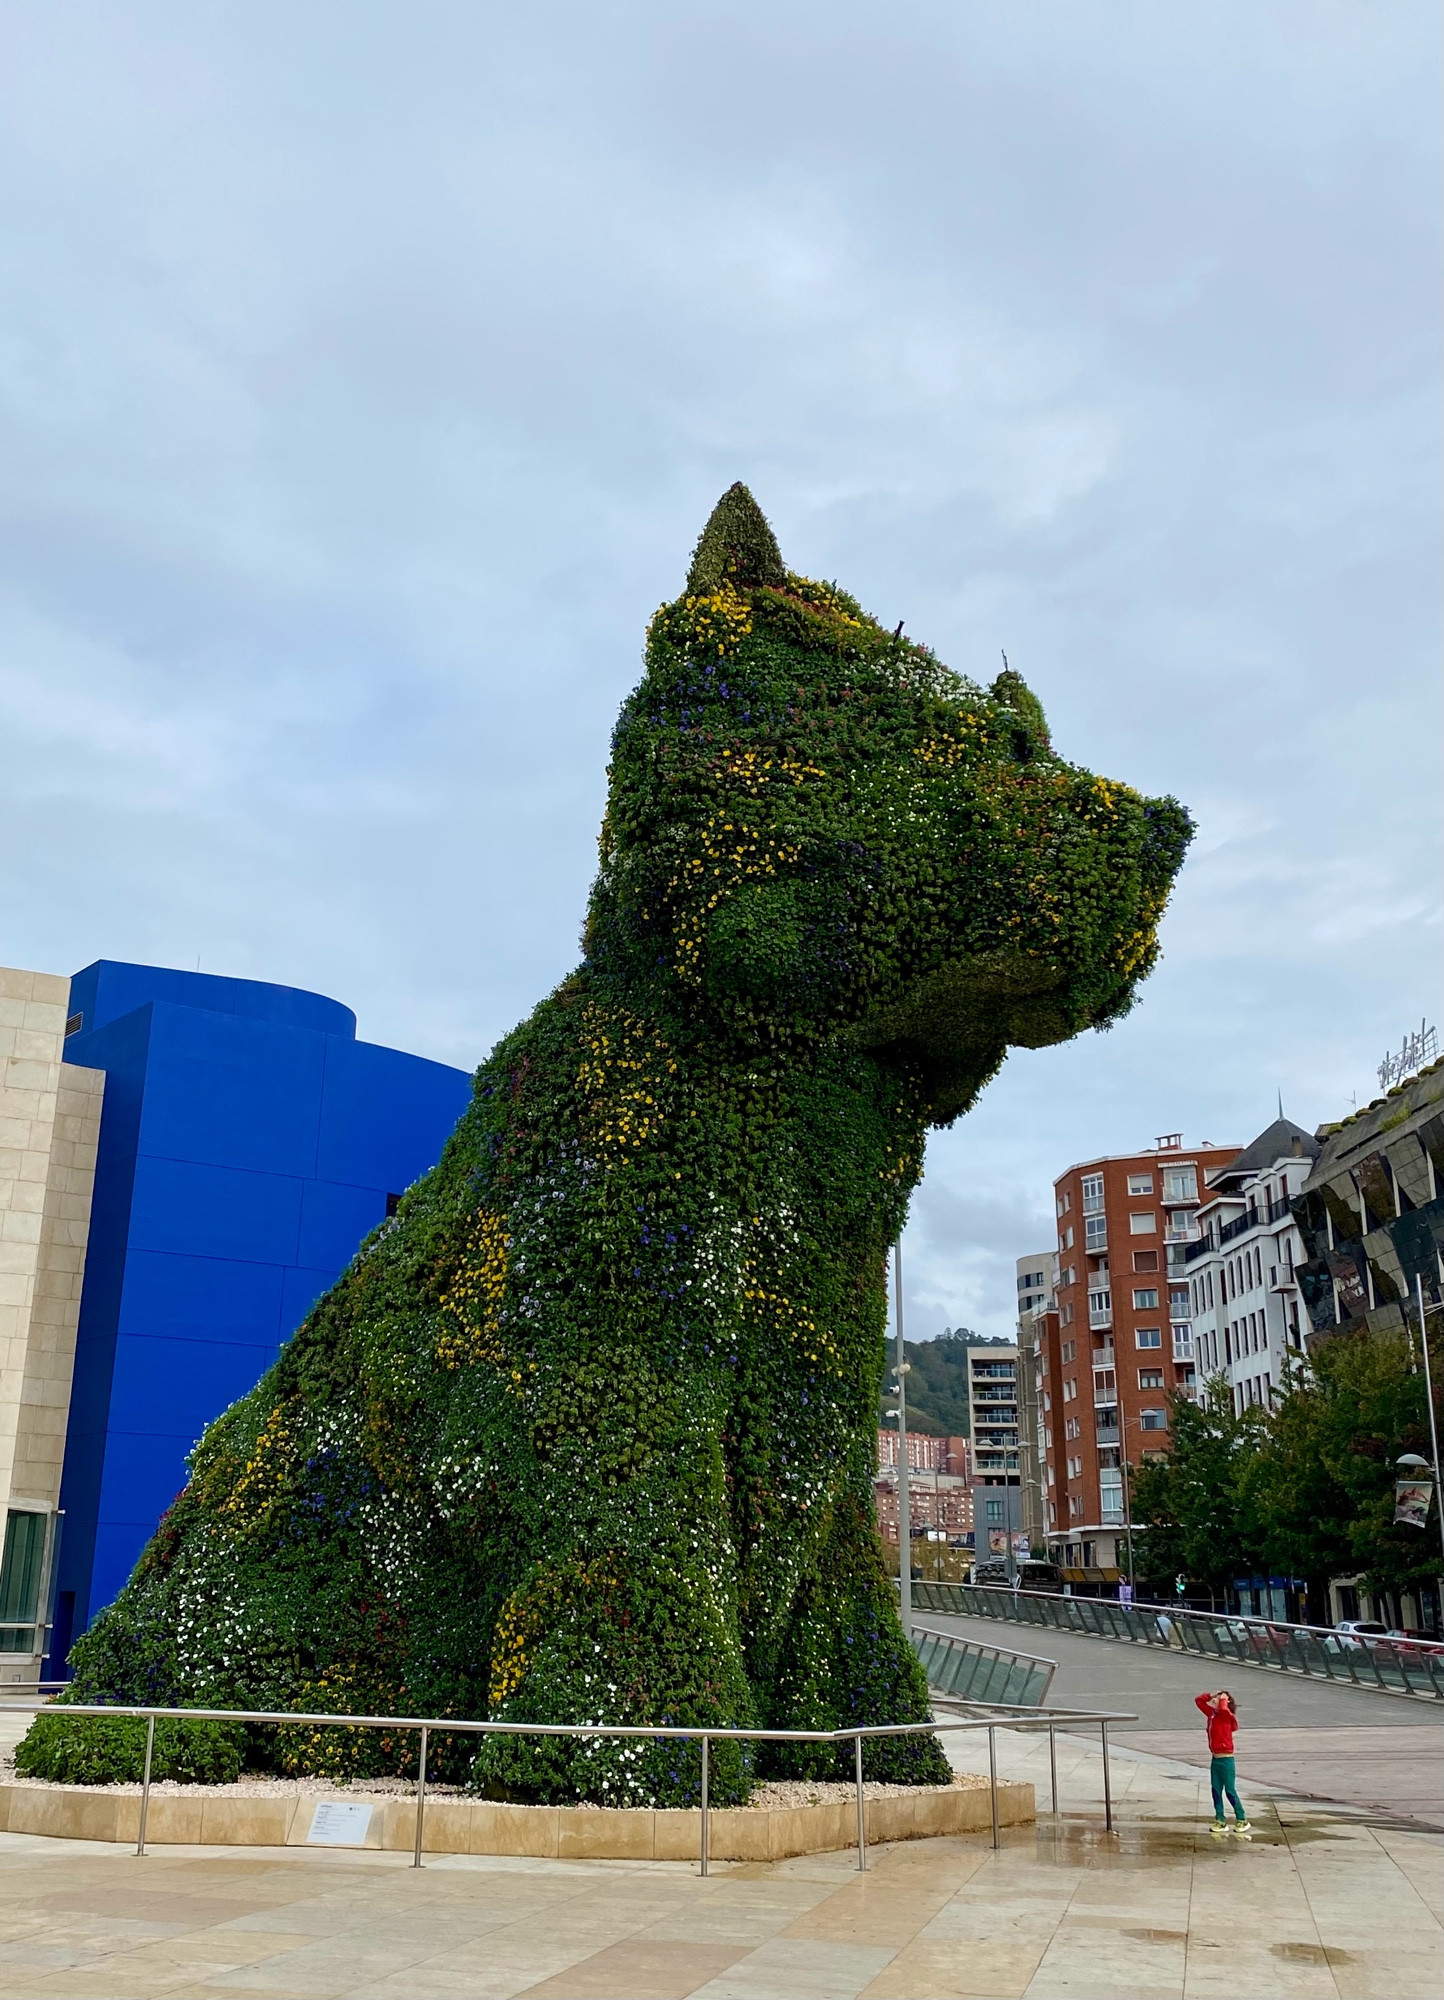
(1413, 1642)
(1357, 1632)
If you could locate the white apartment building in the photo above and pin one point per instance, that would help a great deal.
(993, 1414)
(1248, 1313)
(1037, 1281)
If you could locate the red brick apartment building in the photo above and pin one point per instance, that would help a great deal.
(1118, 1342)
(939, 1489)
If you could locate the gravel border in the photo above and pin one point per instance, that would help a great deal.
(780, 1793)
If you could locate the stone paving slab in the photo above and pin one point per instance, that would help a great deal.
(1318, 1903)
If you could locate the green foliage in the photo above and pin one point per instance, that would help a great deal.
(110, 1750)
(586, 1432)
(937, 1387)
(1322, 1484)
(1306, 1489)
(1190, 1502)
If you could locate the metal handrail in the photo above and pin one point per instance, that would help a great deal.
(1038, 1718)
(1414, 1669)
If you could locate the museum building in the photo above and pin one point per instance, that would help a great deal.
(186, 1163)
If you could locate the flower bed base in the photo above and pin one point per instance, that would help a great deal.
(477, 1826)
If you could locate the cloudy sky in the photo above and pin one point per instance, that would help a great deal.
(366, 371)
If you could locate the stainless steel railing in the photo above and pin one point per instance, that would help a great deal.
(1000, 1715)
(1393, 1666)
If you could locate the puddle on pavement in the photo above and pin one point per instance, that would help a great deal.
(1162, 1840)
(1312, 1954)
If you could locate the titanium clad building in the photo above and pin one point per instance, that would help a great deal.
(248, 1143)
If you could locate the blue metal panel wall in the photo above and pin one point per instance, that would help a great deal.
(243, 1157)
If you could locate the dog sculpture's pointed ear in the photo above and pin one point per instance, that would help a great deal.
(736, 546)
(1013, 692)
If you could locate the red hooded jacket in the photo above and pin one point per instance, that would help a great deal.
(1222, 1722)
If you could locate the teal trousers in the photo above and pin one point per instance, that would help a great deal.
(1221, 1777)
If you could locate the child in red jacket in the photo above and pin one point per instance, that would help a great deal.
(1222, 1722)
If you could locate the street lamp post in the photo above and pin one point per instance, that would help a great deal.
(904, 1511)
(1127, 1494)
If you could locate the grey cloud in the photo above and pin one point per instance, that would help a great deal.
(367, 372)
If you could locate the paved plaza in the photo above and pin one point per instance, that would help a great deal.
(1320, 1901)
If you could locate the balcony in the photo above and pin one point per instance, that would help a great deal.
(1106, 1437)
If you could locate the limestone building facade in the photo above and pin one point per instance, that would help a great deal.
(49, 1129)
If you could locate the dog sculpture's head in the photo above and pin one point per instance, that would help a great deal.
(816, 830)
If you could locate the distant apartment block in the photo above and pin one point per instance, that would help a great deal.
(940, 1501)
(993, 1413)
(1037, 1284)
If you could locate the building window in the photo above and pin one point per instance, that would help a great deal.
(1146, 1299)
(1095, 1233)
(1069, 1352)
(1092, 1193)
(21, 1579)
(1140, 1183)
(1100, 1308)
(1183, 1343)
(995, 1510)
(1154, 1420)
(1150, 1378)
(1178, 1301)
(1148, 1336)
(1070, 1390)
(1065, 1202)
(1142, 1222)
(1180, 1184)
(1145, 1260)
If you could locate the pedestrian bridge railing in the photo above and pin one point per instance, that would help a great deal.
(1397, 1666)
(963, 1670)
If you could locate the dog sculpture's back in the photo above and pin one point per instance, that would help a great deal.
(586, 1432)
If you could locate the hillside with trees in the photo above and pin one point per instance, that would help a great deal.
(937, 1383)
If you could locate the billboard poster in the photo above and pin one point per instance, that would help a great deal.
(1411, 1502)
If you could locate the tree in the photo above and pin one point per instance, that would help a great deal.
(1321, 1491)
(1190, 1503)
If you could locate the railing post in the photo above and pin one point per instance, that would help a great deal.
(861, 1805)
(420, 1793)
(1053, 1765)
(145, 1783)
(1107, 1786)
(706, 1748)
(993, 1780)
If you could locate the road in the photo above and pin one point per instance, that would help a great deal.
(1313, 1739)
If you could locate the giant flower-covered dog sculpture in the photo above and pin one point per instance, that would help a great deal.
(586, 1431)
